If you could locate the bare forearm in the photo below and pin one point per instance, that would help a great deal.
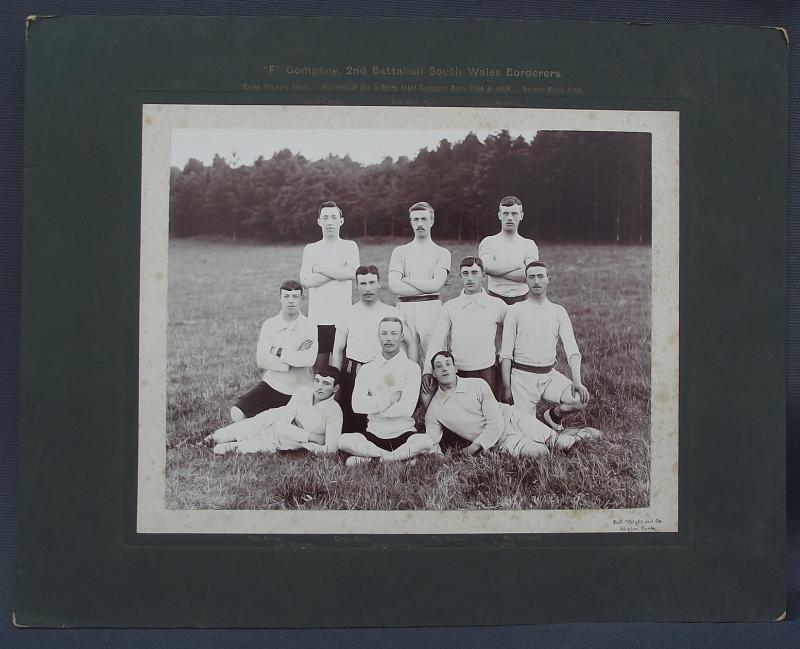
(575, 368)
(424, 285)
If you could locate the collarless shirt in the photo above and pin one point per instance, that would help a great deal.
(470, 410)
(326, 303)
(470, 322)
(531, 332)
(321, 419)
(292, 368)
(518, 251)
(419, 261)
(360, 326)
(374, 386)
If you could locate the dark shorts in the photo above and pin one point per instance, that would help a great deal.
(325, 336)
(510, 300)
(352, 422)
(261, 398)
(389, 444)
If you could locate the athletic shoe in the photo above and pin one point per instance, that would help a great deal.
(549, 421)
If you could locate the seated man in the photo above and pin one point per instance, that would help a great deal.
(386, 390)
(312, 420)
(356, 345)
(531, 331)
(286, 350)
(467, 407)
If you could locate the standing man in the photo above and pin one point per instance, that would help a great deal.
(467, 407)
(387, 390)
(327, 272)
(417, 272)
(531, 331)
(506, 254)
(470, 323)
(356, 345)
(287, 348)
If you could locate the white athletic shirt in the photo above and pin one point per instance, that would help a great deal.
(360, 325)
(519, 251)
(327, 303)
(470, 322)
(419, 261)
(531, 332)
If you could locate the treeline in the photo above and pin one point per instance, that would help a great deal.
(575, 186)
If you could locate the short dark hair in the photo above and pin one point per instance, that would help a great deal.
(422, 205)
(371, 269)
(510, 201)
(331, 372)
(291, 285)
(329, 204)
(391, 318)
(471, 261)
(444, 353)
(536, 263)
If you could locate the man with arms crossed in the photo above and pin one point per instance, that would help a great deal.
(417, 272)
(531, 331)
(470, 322)
(387, 390)
(312, 420)
(356, 344)
(287, 348)
(327, 272)
(506, 254)
(467, 407)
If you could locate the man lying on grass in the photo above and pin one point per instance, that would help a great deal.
(387, 390)
(467, 407)
(312, 420)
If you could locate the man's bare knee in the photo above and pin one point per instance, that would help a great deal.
(237, 414)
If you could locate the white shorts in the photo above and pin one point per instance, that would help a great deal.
(257, 434)
(529, 388)
(421, 319)
(523, 434)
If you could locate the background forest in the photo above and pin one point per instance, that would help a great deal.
(574, 185)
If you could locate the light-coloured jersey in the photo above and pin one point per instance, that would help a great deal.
(470, 322)
(327, 303)
(292, 368)
(322, 420)
(531, 332)
(419, 261)
(375, 384)
(505, 250)
(469, 410)
(360, 327)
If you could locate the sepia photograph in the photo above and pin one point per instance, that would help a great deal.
(381, 311)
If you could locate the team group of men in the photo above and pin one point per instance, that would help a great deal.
(349, 377)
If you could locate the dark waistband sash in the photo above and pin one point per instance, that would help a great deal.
(351, 366)
(533, 369)
(417, 298)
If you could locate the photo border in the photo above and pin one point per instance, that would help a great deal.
(158, 120)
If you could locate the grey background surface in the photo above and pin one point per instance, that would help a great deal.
(12, 23)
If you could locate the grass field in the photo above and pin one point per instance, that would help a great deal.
(220, 293)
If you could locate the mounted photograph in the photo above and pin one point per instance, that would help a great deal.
(414, 320)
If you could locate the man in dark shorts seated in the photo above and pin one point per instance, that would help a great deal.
(387, 390)
(287, 349)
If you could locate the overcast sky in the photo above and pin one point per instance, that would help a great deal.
(366, 146)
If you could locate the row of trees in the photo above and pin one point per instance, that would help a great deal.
(574, 186)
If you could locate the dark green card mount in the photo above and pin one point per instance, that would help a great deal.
(81, 562)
